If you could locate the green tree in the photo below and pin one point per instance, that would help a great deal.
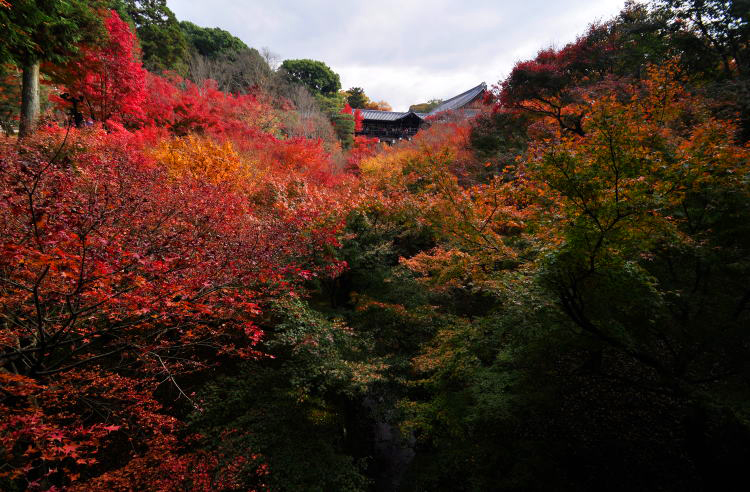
(218, 55)
(722, 25)
(212, 42)
(293, 411)
(315, 75)
(44, 30)
(357, 98)
(343, 125)
(163, 43)
(333, 105)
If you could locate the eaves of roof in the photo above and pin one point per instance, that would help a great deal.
(375, 115)
(460, 100)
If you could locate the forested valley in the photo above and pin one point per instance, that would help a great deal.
(208, 281)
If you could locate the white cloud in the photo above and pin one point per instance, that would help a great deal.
(404, 51)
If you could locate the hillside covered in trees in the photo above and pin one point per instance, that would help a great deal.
(207, 282)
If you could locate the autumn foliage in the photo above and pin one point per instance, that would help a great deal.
(195, 297)
(109, 77)
(134, 257)
(117, 259)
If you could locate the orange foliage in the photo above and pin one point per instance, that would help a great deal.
(636, 161)
(137, 245)
(640, 157)
(379, 106)
(201, 158)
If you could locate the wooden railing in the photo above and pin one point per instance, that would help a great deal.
(389, 133)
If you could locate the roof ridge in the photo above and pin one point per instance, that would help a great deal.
(444, 106)
(482, 85)
(449, 103)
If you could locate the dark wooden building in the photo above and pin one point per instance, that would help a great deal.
(391, 126)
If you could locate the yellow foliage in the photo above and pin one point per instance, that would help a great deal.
(202, 158)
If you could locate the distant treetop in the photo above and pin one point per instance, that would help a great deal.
(212, 42)
(426, 107)
(315, 75)
(357, 98)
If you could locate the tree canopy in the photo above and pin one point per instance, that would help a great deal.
(47, 30)
(163, 43)
(357, 98)
(315, 75)
(212, 42)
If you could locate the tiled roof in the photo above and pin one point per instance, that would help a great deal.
(372, 114)
(456, 102)
(460, 100)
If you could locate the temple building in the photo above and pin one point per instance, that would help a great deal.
(390, 126)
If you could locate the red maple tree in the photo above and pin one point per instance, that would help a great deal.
(109, 76)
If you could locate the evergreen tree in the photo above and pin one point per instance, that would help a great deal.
(163, 43)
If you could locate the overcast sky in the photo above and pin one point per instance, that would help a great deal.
(403, 51)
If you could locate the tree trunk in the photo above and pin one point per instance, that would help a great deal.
(29, 99)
